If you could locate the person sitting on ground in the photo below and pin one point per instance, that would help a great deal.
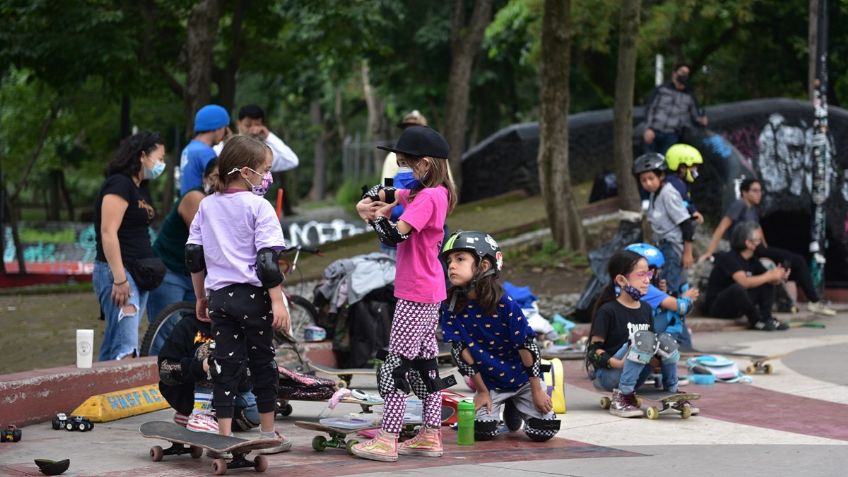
(672, 225)
(669, 310)
(184, 380)
(492, 342)
(623, 346)
(740, 285)
(745, 209)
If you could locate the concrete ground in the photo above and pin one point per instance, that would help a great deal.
(793, 422)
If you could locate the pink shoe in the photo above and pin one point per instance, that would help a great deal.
(428, 443)
(203, 421)
(382, 448)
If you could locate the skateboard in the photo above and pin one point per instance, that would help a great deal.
(180, 437)
(554, 379)
(345, 375)
(760, 364)
(338, 434)
(665, 399)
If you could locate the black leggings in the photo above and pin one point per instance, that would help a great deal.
(800, 273)
(241, 326)
(735, 301)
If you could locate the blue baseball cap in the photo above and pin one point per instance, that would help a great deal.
(210, 118)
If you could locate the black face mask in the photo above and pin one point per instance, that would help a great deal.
(759, 249)
(683, 79)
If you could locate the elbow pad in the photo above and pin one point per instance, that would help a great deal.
(387, 232)
(687, 227)
(268, 269)
(535, 369)
(194, 260)
(465, 369)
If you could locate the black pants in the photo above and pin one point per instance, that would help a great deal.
(241, 326)
(800, 273)
(736, 300)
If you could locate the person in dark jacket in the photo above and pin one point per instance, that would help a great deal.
(672, 109)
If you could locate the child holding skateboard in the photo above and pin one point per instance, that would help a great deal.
(231, 253)
(419, 287)
(492, 342)
(672, 225)
(622, 341)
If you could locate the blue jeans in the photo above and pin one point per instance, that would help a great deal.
(175, 288)
(662, 141)
(672, 271)
(121, 335)
(631, 377)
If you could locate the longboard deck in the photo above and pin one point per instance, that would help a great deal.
(317, 426)
(669, 397)
(175, 433)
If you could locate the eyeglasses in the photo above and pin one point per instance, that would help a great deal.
(643, 275)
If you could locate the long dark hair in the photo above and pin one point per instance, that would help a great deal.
(621, 263)
(127, 160)
(488, 291)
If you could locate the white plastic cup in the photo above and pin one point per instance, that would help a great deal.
(85, 348)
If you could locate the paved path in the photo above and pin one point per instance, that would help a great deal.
(793, 422)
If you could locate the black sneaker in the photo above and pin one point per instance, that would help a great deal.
(511, 416)
(770, 324)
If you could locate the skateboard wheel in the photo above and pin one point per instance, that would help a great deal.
(219, 466)
(260, 463)
(286, 410)
(156, 453)
(750, 370)
(319, 443)
(82, 427)
(686, 412)
(341, 384)
(350, 445)
(605, 402)
(768, 369)
(652, 413)
(69, 426)
(196, 452)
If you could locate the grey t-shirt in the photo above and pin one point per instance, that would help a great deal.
(740, 212)
(666, 213)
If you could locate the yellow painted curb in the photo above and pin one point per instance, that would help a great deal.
(555, 378)
(120, 404)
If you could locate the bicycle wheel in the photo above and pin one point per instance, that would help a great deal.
(302, 313)
(158, 331)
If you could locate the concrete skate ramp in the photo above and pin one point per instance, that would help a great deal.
(769, 139)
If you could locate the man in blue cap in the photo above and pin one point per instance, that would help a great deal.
(211, 126)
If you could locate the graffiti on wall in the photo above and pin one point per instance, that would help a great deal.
(52, 247)
(317, 233)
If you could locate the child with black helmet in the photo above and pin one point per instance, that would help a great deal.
(492, 342)
(672, 225)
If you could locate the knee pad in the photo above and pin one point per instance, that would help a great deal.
(667, 348)
(485, 430)
(246, 415)
(541, 430)
(643, 345)
(428, 369)
(392, 375)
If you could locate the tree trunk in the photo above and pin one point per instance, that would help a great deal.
(66, 196)
(812, 48)
(628, 193)
(226, 78)
(378, 126)
(338, 112)
(201, 32)
(319, 172)
(465, 42)
(554, 175)
(53, 206)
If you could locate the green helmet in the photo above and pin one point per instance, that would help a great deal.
(683, 154)
(479, 244)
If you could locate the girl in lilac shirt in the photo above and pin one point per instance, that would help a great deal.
(419, 288)
(232, 255)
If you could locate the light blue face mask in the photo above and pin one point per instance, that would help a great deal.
(156, 171)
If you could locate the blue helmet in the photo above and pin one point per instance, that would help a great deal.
(652, 254)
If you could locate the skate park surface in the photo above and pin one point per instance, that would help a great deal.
(792, 422)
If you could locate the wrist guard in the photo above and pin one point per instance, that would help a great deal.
(599, 360)
(374, 193)
(387, 232)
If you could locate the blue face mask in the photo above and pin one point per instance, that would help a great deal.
(156, 171)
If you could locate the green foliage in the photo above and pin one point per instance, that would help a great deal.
(547, 255)
(350, 192)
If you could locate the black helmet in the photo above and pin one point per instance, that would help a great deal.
(651, 161)
(480, 244)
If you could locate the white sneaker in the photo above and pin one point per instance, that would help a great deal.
(203, 421)
(820, 309)
(285, 445)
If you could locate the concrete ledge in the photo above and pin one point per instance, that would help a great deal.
(36, 396)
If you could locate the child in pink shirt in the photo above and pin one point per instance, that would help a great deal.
(419, 288)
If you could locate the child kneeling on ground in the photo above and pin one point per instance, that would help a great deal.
(622, 341)
(492, 342)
